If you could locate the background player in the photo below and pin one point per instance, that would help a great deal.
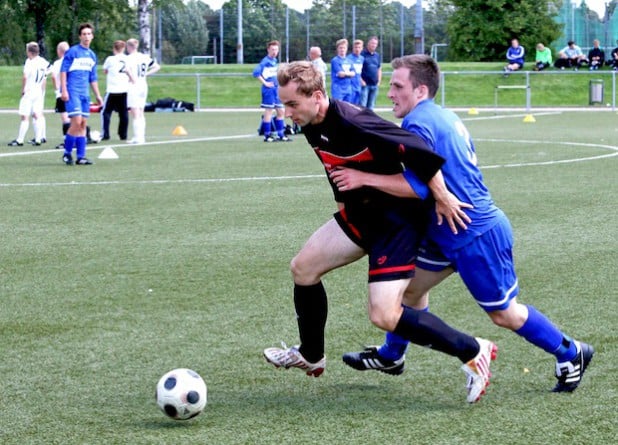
(116, 88)
(60, 108)
(140, 66)
(78, 73)
(266, 73)
(32, 96)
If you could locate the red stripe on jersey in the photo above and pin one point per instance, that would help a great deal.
(331, 160)
(354, 230)
(386, 270)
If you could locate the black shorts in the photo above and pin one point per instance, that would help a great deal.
(60, 107)
(390, 238)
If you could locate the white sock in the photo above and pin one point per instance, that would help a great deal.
(23, 129)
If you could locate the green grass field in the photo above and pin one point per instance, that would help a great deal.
(177, 254)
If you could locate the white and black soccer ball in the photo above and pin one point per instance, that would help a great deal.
(181, 394)
(95, 136)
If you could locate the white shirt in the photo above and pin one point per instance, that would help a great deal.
(35, 72)
(139, 63)
(117, 79)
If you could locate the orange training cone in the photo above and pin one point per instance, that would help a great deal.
(179, 131)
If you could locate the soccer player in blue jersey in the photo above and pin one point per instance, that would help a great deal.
(78, 73)
(342, 73)
(481, 253)
(368, 222)
(357, 64)
(266, 73)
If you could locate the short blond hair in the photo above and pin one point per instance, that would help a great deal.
(32, 48)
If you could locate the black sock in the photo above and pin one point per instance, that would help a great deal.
(425, 329)
(65, 127)
(311, 311)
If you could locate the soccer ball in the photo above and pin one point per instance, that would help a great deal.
(95, 136)
(181, 394)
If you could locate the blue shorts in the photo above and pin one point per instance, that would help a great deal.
(390, 239)
(270, 98)
(485, 265)
(78, 105)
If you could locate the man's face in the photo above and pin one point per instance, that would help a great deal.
(342, 50)
(372, 45)
(357, 48)
(401, 93)
(301, 109)
(85, 37)
(273, 51)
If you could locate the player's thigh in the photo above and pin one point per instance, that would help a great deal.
(423, 281)
(25, 106)
(327, 249)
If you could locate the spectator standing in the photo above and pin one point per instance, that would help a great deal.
(117, 87)
(570, 56)
(78, 73)
(543, 57)
(266, 73)
(342, 72)
(315, 56)
(357, 64)
(32, 96)
(515, 57)
(140, 66)
(371, 75)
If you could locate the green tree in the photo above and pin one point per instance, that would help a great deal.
(184, 30)
(481, 30)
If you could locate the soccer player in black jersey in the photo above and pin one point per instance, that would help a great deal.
(369, 222)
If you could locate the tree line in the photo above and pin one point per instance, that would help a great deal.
(472, 30)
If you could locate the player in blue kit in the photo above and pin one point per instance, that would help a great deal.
(342, 72)
(482, 253)
(266, 73)
(369, 222)
(78, 73)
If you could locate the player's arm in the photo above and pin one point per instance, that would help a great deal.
(153, 68)
(64, 94)
(95, 89)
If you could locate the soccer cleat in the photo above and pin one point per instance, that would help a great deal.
(284, 138)
(34, 142)
(83, 161)
(67, 159)
(477, 370)
(369, 358)
(15, 143)
(269, 138)
(291, 358)
(60, 146)
(569, 374)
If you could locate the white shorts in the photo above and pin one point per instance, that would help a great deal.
(136, 97)
(31, 104)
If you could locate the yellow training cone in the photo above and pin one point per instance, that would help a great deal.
(529, 118)
(179, 131)
(473, 111)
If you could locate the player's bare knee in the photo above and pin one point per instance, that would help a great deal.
(382, 319)
(302, 272)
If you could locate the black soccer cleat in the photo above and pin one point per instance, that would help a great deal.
(570, 374)
(83, 161)
(14, 143)
(67, 159)
(370, 359)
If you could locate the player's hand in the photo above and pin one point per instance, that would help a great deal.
(100, 100)
(64, 96)
(452, 209)
(347, 179)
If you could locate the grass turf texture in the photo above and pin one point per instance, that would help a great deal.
(467, 85)
(176, 255)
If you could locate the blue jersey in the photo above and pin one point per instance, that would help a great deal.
(267, 68)
(80, 64)
(515, 55)
(446, 135)
(357, 66)
(340, 86)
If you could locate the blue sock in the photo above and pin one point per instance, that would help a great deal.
(280, 127)
(80, 142)
(266, 128)
(541, 332)
(69, 143)
(395, 346)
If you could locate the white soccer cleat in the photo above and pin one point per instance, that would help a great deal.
(477, 370)
(291, 358)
